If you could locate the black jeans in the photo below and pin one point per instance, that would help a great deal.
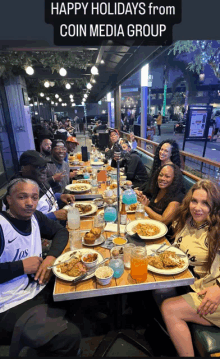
(66, 343)
(159, 132)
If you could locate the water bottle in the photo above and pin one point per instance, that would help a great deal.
(94, 185)
(73, 218)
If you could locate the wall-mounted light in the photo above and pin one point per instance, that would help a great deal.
(29, 70)
(89, 86)
(46, 84)
(68, 86)
(94, 70)
(57, 96)
(62, 71)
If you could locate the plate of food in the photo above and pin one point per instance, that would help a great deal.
(147, 228)
(78, 187)
(85, 208)
(74, 267)
(93, 238)
(168, 262)
(97, 163)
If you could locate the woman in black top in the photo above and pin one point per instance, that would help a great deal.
(167, 194)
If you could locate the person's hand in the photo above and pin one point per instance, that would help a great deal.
(43, 274)
(73, 174)
(31, 264)
(67, 198)
(57, 177)
(210, 301)
(139, 193)
(61, 214)
(144, 200)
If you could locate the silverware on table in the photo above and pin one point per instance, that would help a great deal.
(90, 271)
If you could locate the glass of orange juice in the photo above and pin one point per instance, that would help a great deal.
(79, 156)
(139, 264)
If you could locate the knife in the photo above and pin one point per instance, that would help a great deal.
(92, 270)
(67, 260)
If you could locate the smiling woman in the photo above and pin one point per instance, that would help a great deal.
(167, 194)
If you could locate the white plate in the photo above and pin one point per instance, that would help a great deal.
(163, 228)
(167, 271)
(66, 255)
(97, 163)
(93, 209)
(73, 187)
(97, 242)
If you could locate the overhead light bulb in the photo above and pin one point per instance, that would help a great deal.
(62, 71)
(60, 100)
(48, 98)
(36, 113)
(93, 81)
(52, 83)
(52, 102)
(29, 99)
(89, 86)
(85, 95)
(68, 86)
(71, 96)
(42, 94)
(62, 104)
(41, 104)
(94, 70)
(57, 96)
(46, 84)
(71, 100)
(31, 104)
(56, 104)
(29, 70)
(102, 62)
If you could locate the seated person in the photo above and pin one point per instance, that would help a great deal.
(197, 234)
(114, 140)
(167, 152)
(45, 146)
(134, 167)
(132, 141)
(58, 172)
(71, 145)
(167, 195)
(27, 297)
(33, 166)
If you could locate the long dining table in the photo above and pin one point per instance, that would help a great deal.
(64, 290)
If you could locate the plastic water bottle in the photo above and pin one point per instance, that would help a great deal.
(73, 218)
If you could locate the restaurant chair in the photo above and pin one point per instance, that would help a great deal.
(206, 340)
(122, 343)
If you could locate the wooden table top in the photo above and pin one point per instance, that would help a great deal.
(125, 284)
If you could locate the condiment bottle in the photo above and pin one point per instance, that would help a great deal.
(123, 214)
(73, 218)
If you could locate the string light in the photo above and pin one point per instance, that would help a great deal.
(89, 86)
(29, 70)
(60, 100)
(46, 84)
(48, 98)
(68, 86)
(94, 70)
(62, 71)
(42, 94)
(57, 96)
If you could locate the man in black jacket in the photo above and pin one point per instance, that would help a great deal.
(134, 167)
(27, 311)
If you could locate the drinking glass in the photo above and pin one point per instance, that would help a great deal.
(99, 221)
(75, 239)
(139, 264)
(140, 211)
(118, 267)
(127, 254)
